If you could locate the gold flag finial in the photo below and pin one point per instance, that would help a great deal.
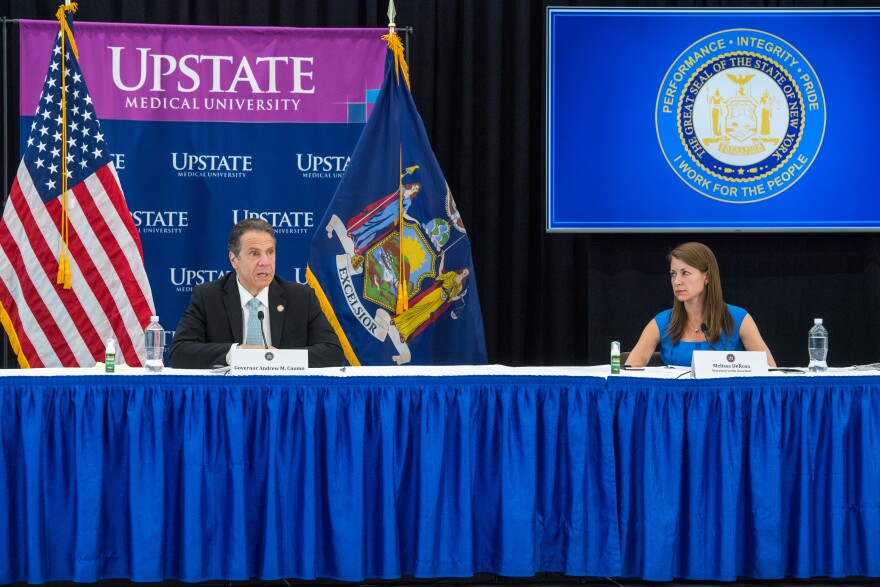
(391, 14)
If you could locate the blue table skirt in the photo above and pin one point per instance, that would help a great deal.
(205, 477)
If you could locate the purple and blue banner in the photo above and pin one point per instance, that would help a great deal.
(209, 125)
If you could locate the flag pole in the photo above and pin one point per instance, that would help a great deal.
(402, 294)
(66, 36)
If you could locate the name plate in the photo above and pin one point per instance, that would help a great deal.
(268, 361)
(705, 364)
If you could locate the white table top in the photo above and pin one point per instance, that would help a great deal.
(603, 371)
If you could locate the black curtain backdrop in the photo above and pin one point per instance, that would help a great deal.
(478, 70)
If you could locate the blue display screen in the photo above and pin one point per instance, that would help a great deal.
(712, 120)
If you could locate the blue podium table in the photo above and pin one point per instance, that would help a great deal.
(509, 471)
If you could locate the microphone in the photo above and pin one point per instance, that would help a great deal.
(260, 317)
(705, 330)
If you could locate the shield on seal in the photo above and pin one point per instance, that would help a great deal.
(741, 122)
(381, 263)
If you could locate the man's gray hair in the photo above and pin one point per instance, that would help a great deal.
(246, 225)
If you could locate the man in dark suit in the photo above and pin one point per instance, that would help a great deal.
(224, 313)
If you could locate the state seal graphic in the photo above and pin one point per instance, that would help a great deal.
(740, 116)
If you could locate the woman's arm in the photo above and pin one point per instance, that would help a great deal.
(752, 340)
(648, 341)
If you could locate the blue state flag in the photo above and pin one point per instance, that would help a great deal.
(391, 261)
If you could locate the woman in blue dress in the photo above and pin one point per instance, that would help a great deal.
(699, 319)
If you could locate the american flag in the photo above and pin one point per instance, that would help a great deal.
(109, 295)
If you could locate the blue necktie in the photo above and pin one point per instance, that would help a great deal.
(254, 326)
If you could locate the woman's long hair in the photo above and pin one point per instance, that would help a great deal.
(715, 313)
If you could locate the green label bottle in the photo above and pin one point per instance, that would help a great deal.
(110, 356)
(615, 358)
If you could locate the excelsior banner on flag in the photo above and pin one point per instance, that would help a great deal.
(393, 268)
(71, 265)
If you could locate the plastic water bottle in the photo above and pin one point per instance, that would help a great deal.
(154, 343)
(818, 347)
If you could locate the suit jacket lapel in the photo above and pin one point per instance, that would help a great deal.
(277, 299)
(232, 301)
